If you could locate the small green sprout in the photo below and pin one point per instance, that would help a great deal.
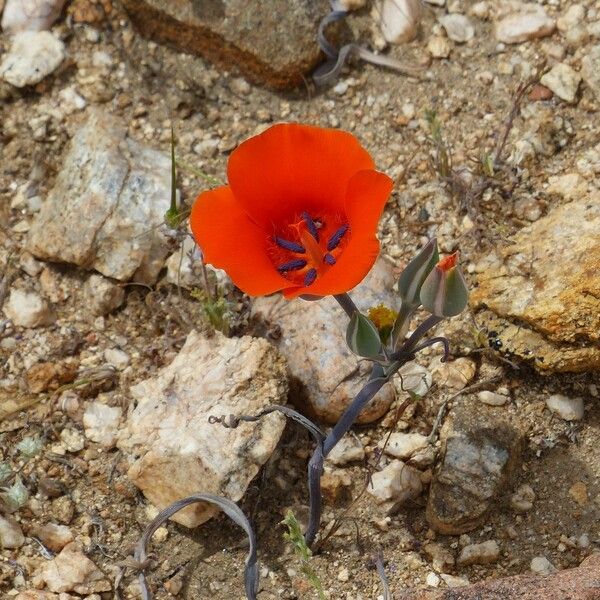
(217, 310)
(295, 536)
(442, 160)
(30, 446)
(15, 496)
(173, 216)
(487, 165)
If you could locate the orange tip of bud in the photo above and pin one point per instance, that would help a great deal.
(448, 263)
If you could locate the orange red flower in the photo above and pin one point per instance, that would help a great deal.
(299, 215)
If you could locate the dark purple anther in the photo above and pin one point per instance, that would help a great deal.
(312, 227)
(293, 265)
(329, 259)
(310, 277)
(336, 238)
(291, 246)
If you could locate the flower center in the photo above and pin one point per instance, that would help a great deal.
(308, 247)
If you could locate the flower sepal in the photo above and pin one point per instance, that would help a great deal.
(444, 292)
(415, 273)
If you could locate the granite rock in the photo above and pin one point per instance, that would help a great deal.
(175, 451)
(580, 583)
(541, 293)
(32, 56)
(30, 15)
(253, 37)
(479, 452)
(107, 204)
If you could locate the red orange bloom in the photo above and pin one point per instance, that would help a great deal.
(299, 214)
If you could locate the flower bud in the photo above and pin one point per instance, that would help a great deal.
(415, 273)
(444, 292)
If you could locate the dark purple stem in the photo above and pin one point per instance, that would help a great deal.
(315, 466)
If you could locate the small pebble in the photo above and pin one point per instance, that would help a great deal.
(458, 27)
(479, 554)
(492, 398)
(522, 500)
(117, 358)
(439, 46)
(578, 491)
(569, 409)
(542, 566)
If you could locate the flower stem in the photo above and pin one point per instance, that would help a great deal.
(375, 383)
(346, 303)
(315, 466)
(378, 378)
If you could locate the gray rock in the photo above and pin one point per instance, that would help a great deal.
(480, 450)
(569, 409)
(395, 485)
(106, 205)
(544, 312)
(458, 27)
(326, 375)
(590, 70)
(563, 81)
(28, 309)
(173, 448)
(33, 55)
(251, 36)
(101, 422)
(30, 15)
(527, 21)
(544, 135)
(102, 295)
(11, 535)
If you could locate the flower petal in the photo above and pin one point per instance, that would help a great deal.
(229, 240)
(292, 168)
(366, 196)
